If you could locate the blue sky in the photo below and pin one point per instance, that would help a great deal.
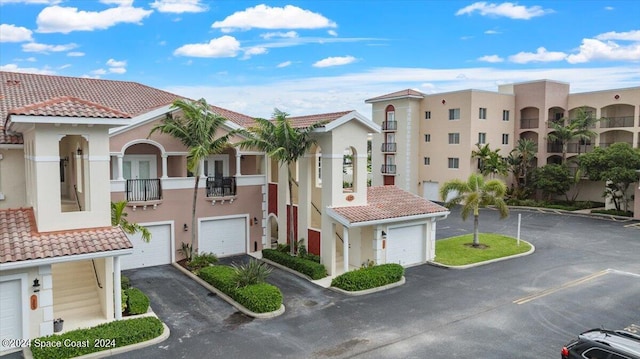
(307, 57)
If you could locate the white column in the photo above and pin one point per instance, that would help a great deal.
(117, 295)
(164, 165)
(201, 170)
(377, 244)
(120, 177)
(345, 248)
(432, 241)
(238, 157)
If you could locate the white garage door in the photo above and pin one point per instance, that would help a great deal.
(156, 252)
(223, 237)
(406, 245)
(10, 312)
(431, 191)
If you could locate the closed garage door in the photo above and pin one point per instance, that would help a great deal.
(156, 252)
(223, 237)
(10, 312)
(431, 191)
(406, 245)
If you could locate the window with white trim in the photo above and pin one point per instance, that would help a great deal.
(454, 138)
(454, 162)
(505, 138)
(427, 137)
(427, 161)
(454, 114)
(482, 138)
(505, 115)
(427, 115)
(482, 114)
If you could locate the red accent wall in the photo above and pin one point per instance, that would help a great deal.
(273, 198)
(295, 222)
(389, 180)
(314, 241)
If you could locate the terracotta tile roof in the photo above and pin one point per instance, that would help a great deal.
(10, 138)
(21, 241)
(20, 91)
(306, 121)
(397, 94)
(68, 107)
(386, 202)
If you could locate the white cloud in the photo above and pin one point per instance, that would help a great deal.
(44, 48)
(64, 66)
(284, 64)
(541, 55)
(335, 61)
(252, 51)
(592, 49)
(117, 70)
(118, 2)
(115, 63)
(266, 17)
(225, 46)
(30, 59)
(506, 9)
(99, 72)
(609, 8)
(286, 35)
(491, 59)
(625, 36)
(178, 6)
(491, 32)
(75, 54)
(29, 70)
(68, 19)
(12, 33)
(332, 33)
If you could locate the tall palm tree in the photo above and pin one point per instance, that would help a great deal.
(119, 219)
(520, 159)
(482, 154)
(195, 127)
(284, 143)
(577, 128)
(585, 121)
(474, 194)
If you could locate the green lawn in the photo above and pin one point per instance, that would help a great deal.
(453, 251)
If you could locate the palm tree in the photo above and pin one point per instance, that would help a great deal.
(473, 195)
(119, 219)
(520, 159)
(196, 129)
(585, 121)
(577, 128)
(482, 154)
(284, 143)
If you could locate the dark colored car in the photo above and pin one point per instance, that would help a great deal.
(603, 344)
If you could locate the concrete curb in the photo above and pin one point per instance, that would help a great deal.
(466, 266)
(110, 352)
(372, 290)
(228, 299)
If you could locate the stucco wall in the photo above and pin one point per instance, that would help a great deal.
(12, 183)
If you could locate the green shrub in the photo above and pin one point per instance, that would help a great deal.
(138, 302)
(123, 300)
(613, 212)
(102, 337)
(312, 257)
(125, 283)
(284, 248)
(201, 260)
(253, 272)
(305, 266)
(259, 298)
(369, 277)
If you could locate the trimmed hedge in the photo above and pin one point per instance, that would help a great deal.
(259, 298)
(137, 301)
(102, 337)
(367, 278)
(307, 267)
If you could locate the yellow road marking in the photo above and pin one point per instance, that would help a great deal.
(552, 290)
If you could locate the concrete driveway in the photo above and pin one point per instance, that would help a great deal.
(583, 274)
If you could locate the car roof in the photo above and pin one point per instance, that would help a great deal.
(618, 339)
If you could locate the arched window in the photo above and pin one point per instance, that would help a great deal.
(390, 113)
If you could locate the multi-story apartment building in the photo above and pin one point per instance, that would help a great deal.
(427, 139)
(70, 146)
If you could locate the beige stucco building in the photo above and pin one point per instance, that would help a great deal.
(427, 139)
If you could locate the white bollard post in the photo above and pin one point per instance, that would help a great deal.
(519, 220)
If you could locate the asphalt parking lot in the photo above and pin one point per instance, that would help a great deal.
(585, 273)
